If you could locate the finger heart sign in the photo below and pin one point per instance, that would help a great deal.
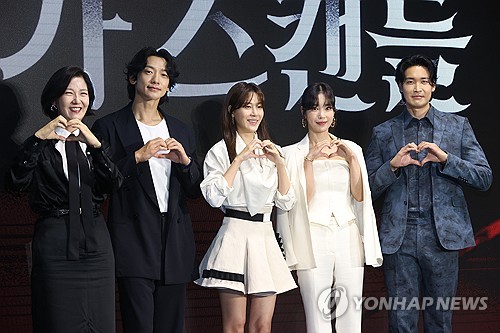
(268, 147)
(330, 151)
(423, 152)
(163, 151)
(259, 152)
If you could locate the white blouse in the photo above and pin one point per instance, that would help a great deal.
(255, 186)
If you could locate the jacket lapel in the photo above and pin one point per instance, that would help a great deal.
(131, 139)
(439, 127)
(300, 153)
(397, 128)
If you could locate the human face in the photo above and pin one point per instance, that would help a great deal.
(417, 90)
(152, 82)
(73, 103)
(248, 117)
(320, 118)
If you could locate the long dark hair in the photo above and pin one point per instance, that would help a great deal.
(56, 86)
(239, 95)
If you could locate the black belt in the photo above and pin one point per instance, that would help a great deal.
(63, 212)
(238, 214)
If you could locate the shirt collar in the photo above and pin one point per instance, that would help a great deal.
(408, 118)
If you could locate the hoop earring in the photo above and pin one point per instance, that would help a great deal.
(53, 108)
(333, 123)
(304, 123)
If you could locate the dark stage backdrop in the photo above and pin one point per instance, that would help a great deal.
(282, 45)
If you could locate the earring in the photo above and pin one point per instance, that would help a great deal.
(334, 121)
(53, 108)
(232, 118)
(304, 123)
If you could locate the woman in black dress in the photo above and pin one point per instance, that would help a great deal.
(72, 279)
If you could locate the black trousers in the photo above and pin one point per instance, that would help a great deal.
(148, 306)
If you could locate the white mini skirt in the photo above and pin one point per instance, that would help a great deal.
(245, 256)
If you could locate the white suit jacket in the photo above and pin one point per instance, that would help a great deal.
(294, 226)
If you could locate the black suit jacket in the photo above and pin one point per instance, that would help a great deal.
(134, 216)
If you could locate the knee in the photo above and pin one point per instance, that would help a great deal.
(260, 326)
(235, 326)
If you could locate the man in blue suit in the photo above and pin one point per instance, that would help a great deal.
(149, 221)
(420, 160)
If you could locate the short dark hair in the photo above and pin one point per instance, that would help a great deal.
(56, 86)
(416, 60)
(139, 62)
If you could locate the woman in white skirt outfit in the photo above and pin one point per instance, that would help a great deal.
(245, 176)
(331, 231)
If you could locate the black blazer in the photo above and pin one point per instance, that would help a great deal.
(134, 216)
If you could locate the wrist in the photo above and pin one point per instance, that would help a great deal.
(186, 165)
(38, 134)
(307, 159)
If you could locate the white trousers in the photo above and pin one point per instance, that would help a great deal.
(337, 279)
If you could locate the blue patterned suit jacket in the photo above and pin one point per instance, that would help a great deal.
(466, 166)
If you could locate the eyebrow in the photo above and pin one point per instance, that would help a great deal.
(152, 67)
(415, 78)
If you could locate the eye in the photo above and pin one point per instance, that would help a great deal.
(425, 82)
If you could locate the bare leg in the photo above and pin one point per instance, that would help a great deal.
(233, 307)
(261, 313)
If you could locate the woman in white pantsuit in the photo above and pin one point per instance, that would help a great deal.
(331, 231)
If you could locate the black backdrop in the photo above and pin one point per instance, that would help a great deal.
(283, 46)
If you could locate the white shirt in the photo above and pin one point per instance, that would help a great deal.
(61, 147)
(160, 167)
(255, 186)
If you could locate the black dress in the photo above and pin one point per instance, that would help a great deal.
(67, 295)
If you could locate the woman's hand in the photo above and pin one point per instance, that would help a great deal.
(84, 135)
(254, 149)
(47, 132)
(272, 153)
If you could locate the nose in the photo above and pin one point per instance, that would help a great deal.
(154, 78)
